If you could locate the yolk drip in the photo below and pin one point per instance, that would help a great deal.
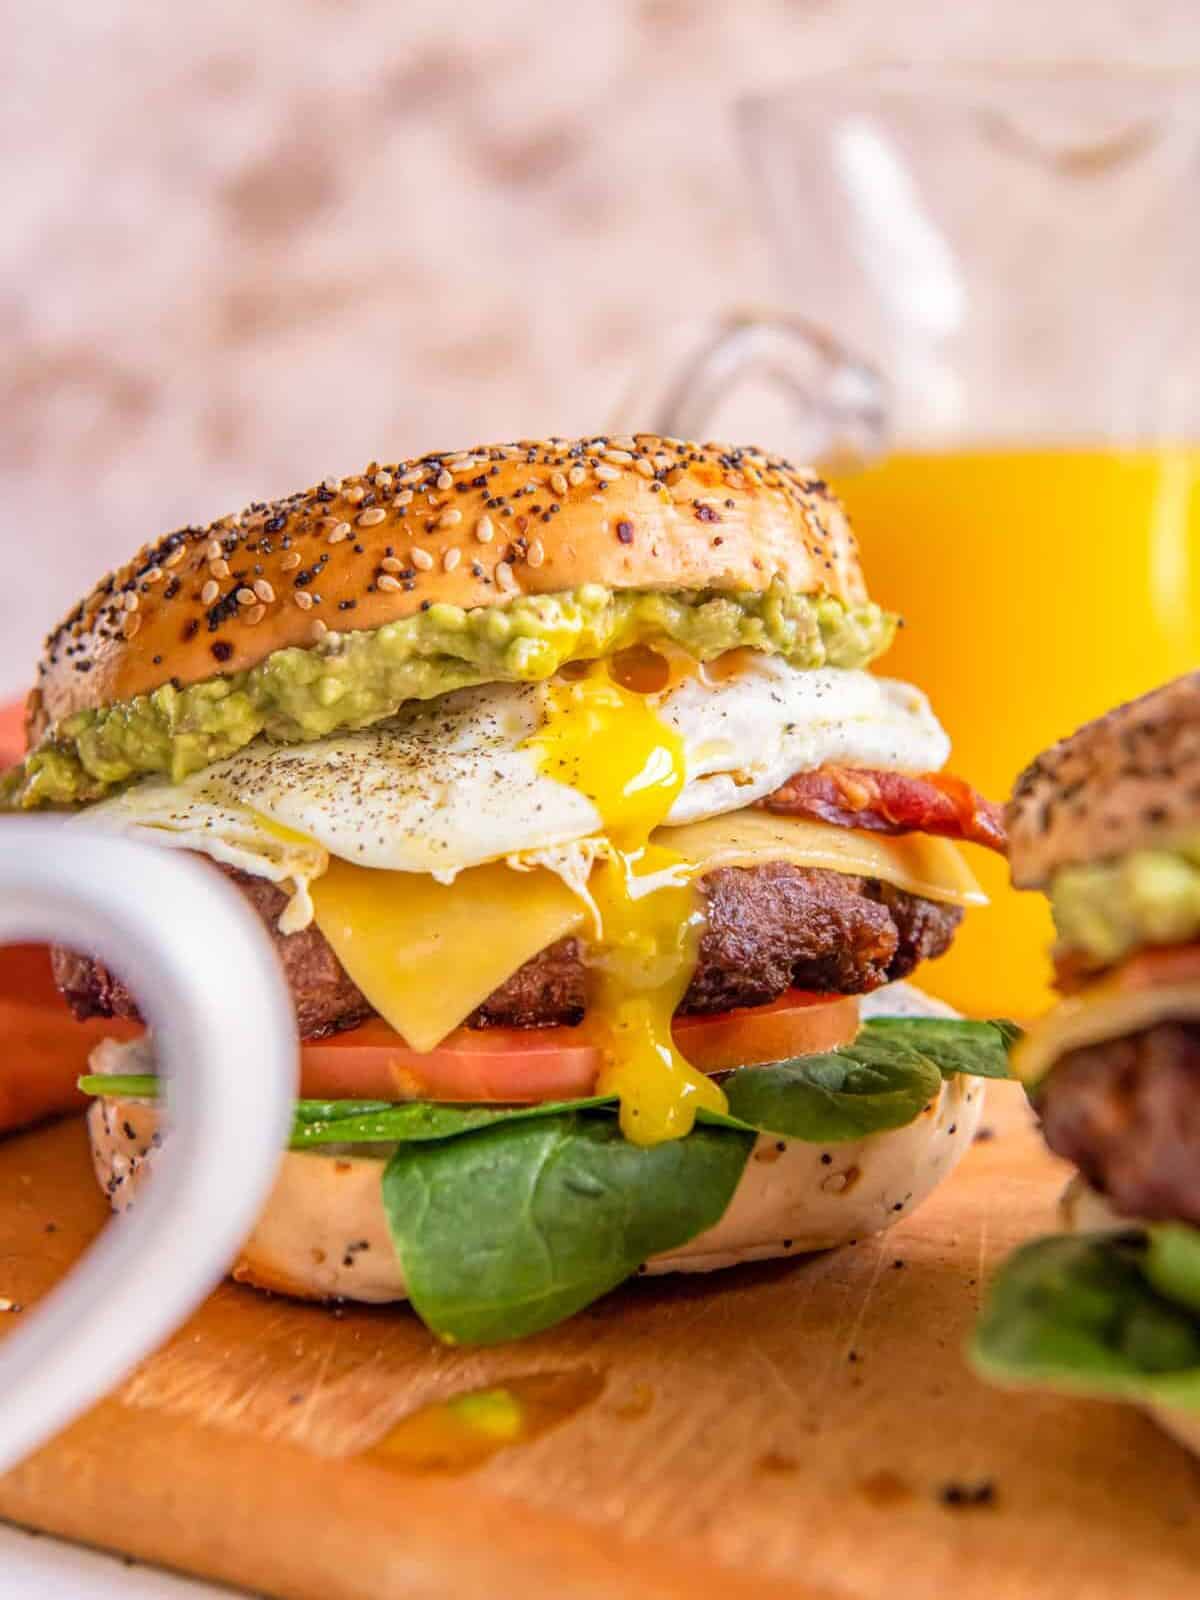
(607, 741)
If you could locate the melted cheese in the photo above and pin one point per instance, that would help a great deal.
(915, 862)
(1105, 1011)
(426, 954)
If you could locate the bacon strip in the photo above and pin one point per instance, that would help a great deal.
(892, 802)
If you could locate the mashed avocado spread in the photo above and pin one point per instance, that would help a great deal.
(1110, 908)
(353, 679)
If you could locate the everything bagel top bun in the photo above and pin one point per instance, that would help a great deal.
(1130, 779)
(473, 528)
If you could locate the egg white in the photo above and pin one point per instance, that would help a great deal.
(449, 784)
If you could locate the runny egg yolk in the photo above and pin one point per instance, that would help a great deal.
(607, 741)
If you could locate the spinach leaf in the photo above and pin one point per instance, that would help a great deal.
(413, 1120)
(834, 1098)
(1172, 1262)
(138, 1086)
(953, 1044)
(317, 1122)
(521, 1225)
(1077, 1312)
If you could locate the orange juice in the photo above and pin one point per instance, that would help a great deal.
(1038, 587)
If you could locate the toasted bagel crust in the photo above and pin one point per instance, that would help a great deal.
(324, 1234)
(471, 528)
(1123, 782)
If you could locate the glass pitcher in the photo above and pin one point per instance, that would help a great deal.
(995, 356)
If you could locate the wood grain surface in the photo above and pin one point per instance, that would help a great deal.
(804, 1428)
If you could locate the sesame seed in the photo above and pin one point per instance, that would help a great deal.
(414, 475)
(644, 466)
(404, 498)
(332, 484)
(154, 575)
(421, 558)
(620, 457)
(339, 531)
(576, 476)
(215, 550)
(505, 578)
(130, 601)
(290, 561)
(357, 495)
(383, 480)
(451, 558)
(209, 592)
(131, 624)
(255, 614)
(485, 529)
(450, 519)
(218, 569)
(245, 597)
(264, 590)
(444, 480)
(175, 557)
(319, 628)
(371, 517)
(392, 564)
(536, 553)
(303, 599)
(389, 584)
(736, 480)
(607, 474)
(558, 482)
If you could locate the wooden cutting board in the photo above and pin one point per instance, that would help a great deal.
(799, 1429)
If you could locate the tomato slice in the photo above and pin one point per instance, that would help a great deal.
(518, 1065)
(797, 1024)
(12, 733)
(1157, 967)
(373, 1062)
(1151, 967)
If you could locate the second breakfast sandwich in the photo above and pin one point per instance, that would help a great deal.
(555, 773)
(1107, 822)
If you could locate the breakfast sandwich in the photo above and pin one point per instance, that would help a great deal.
(557, 776)
(1107, 823)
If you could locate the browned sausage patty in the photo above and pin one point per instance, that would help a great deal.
(768, 928)
(1127, 1113)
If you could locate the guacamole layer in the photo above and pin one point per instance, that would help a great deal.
(350, 680)
(1111, 908)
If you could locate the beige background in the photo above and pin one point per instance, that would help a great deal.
(248, 242)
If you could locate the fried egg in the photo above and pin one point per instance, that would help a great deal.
(469, 777)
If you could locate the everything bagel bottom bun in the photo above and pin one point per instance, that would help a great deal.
(324, 1234)
(1082, 1210)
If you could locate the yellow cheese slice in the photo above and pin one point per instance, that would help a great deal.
(916, 862)
(425, 954)
(1104, 1012)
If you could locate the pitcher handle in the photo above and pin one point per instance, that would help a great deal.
(837, 402)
